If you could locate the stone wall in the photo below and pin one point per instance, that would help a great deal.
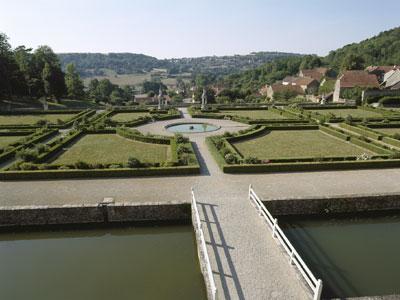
(88, 214)
(336, 204)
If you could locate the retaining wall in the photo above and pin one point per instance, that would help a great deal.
(17, 216)
(332, 204)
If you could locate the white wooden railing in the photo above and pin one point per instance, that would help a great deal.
(295, 258)
(202, 251)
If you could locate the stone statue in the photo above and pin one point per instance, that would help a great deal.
(160, 98)
(204, 99)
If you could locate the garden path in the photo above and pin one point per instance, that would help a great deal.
(246, 261)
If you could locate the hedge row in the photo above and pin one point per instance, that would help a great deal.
(391, 141)
(370, 146)
(362, 130)
(57, 146)
(334, 132)
(78, 117)
(126, 133)
(17, 132)
(327, 106)
(30, 142)
(312, 166)
(40, 112)
(99, 173)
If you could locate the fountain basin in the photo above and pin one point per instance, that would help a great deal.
(191, 127)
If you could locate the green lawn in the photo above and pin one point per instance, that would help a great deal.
(32, 119)
(253, 114)
(390, 131)
(343, 113)
(126, 117)
(7, 140)
(111, 148)
(297, 143)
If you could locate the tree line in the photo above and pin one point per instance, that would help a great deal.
(383, 49)
(35, 74)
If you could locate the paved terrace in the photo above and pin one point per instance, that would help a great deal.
(246, 261)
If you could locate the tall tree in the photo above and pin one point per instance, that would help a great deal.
(353, 61)
(73, 82)
(11, 79)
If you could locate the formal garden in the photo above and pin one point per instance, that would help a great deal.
(247, 114)
(300, 147)
(341, 113)
(36, 119)
(99, 144)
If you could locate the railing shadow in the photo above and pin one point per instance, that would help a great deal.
(221, 252)
(203, 166)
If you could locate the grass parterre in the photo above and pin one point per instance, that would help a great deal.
(112, 149)
(297, 143)
(298, 148)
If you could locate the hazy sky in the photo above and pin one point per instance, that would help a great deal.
(183, 28)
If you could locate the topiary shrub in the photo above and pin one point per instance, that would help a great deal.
(251, 160)
(41, 122)
(82, 165)
(133, 162)
(231, 159)
(180, 139)
(182, 149)
(27, 155)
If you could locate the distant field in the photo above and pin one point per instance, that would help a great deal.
(129, 79)
(111, 148)
(33, 119)
(125, 117)
(343, 113)
(297, 143)
(253, 114)
(7, 140)
(390, 131)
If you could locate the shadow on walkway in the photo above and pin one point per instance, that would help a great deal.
(221, 252)
(203, 166)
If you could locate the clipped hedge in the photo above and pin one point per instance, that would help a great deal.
(126, 133)
(391, 141)
(99, 173)
(30, 142)
(334, 132)
(311, 166)
(370, 146)
(362, 130)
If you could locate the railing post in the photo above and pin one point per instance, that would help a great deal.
(274, 227)
(250, 188)
(318, 290)
(291, 257)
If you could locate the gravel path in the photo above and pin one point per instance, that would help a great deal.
(246, 261)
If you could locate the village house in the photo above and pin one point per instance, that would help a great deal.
(354, 79)
(380, 71)
(391, 79)
(317, 73)
(307, 84)
(278, 87)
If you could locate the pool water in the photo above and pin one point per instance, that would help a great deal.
(354, 256)
(117, 263)
(191, 127)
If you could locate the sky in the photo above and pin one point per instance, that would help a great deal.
(189, 28)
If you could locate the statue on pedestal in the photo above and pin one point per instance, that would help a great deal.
(160, 98)
(204, 99)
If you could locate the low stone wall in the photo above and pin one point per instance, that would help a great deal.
(18, 216)
(332, 204)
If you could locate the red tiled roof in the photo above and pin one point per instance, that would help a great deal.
(316, 73)
(383, 69)
(278, 87)
(304, 81)
(350, 79)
